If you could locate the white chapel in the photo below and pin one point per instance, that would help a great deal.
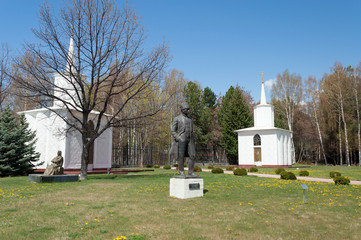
(264, 144)
(52, 134)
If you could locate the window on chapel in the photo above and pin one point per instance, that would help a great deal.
(257, 140)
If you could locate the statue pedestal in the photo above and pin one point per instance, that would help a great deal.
(184, 188)
(40, 178)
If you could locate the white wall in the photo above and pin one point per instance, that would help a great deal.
(49, 135)
(263, 116)
(103, 150)
(275, 147)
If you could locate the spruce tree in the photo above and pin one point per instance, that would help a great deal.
(234, 114)
(200, 112)
(17, 150)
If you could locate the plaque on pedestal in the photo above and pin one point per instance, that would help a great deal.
(184, 188)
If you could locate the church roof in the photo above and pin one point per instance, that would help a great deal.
(255, 129)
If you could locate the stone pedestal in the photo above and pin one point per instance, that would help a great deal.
(184, 188)
(40, 178)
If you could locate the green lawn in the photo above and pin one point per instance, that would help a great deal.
(353, 173)
(139, 207)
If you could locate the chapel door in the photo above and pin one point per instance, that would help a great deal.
(257, 155)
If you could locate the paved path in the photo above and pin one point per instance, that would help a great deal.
(298, 178)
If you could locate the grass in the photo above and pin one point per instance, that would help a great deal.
(353, 173)
(138, 206)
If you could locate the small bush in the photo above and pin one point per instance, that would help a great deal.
(217, 170)
(167, 167)
(185, 165)
(304, 173)
(288, 175)
(240, 172)
(334, 174)
(341, 180)
(156, 166)
(175, 165)
(197, 169)
(149, 166)
(253, 169)
(279, 170)
(210, 166)
(229, 168)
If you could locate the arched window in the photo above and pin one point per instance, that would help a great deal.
(257, 140)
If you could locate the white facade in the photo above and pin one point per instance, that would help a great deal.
(52, 136)
(264, 144)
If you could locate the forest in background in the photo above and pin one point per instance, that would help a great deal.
(323, 114)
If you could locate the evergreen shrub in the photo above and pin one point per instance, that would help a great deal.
(304, 173)
(217, 170)
(185, 165)
(148, 165)
(197, 169)
(288, 175)
(17, 145)
(167, 167)
(175, 165)
(341, 180)
(240, 172)
(334, 174)
(253, 169)
(229, 168)
(156, 166)
(210, 167)
(279, 170)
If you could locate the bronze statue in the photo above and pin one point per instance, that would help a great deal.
(183, 144)
(56, 168)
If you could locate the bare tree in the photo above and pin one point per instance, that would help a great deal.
(337, 90)
(105, 61)
(312, 90)
(288, 89)
(5, 80)
(356, 86)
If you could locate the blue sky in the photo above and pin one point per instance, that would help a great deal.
(230, 42)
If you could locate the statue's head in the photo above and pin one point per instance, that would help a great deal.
(185, 108)
(59, 153)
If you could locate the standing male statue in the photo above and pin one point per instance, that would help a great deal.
(184, 144)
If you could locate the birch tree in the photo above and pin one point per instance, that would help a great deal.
(356, 86)
(289, 90)
(337, 92)
(312, 91)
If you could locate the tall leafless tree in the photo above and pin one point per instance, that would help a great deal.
(108, 61)
(289, 90)
(312, 90)
(5, 80)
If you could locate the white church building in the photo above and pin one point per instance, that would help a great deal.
(52, 134)
(264, 144)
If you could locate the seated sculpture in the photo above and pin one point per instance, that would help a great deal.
(56, 168)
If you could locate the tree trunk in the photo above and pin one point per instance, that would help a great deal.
(340, 138)
(84, 160)
(358, 126)
(345, 129)
(293, 153)
(319, 132)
